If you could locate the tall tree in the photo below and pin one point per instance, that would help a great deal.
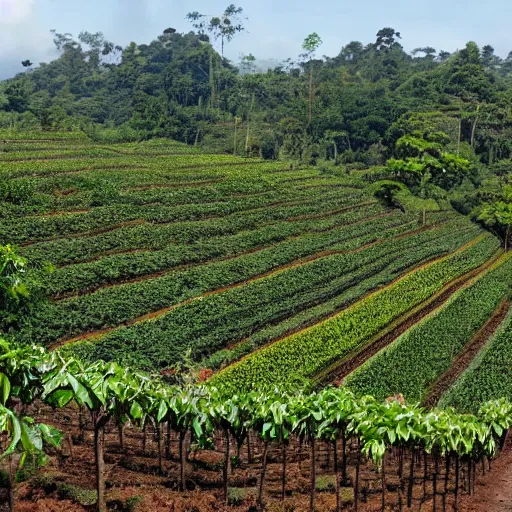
(310, 46)
(224, 27)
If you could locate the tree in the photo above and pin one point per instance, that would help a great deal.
(310, 46)
(223, 27)
(497, 216)
(26, 63)
(387, 39)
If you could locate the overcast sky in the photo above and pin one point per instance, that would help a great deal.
(276, 28)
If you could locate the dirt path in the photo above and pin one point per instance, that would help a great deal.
(493, 492)
(463, 360)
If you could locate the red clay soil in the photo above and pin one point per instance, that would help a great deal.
(132, 472)
(463, 360)
(342, 369)
(493, 492)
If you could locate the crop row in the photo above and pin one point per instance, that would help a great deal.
(216, 232)
(58, 167)
(305, 354)
(219, 320)
(37, 228)
(83, 194)
(89, 276)
(420, 356)
(273, 331)
(489, 375)
(58, 153)
(112, 306)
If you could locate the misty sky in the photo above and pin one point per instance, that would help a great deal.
(276, 28)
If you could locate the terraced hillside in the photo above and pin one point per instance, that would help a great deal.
(160, 252)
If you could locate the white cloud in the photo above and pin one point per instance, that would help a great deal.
(13, 12)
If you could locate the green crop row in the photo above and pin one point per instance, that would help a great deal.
(397, 266)
(85, 277)
(420, 356)
(489, 375)
(41, 227)
(310, 351)
(83, 194)
(219, 320)
(112, 306)
(159, 164)
(226, 230)
(57, 154)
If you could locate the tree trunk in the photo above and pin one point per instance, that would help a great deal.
(383, 481)
(300, 454)
(356, 480)
(81, 423)
(283, 476)
(507, 238)
(310, 95)
(446, 480)
(469, 477)
(262, 477)
(457, 473)
(168, 442)
(225, 469)
(344, 459)
(411, 481)
(212, 81)
(473, 129)
(337, 476)
(182, 460)
(234, 142)
(249, 451)
(159, 444)
(436, 469)
(144, 437)
(460, 136)
(120, 431)
(99, 445)
(313, 475)
(10, 498)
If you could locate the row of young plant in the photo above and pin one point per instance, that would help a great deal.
(133, 186)
(23, 155)
(114, 305)
(202, 189)
(49, 168)
(87, 277)
(489, 374)
(30, 229)
(294, 285)
(305, 354)
(112, 393)
(222, 319)
(392, 269)
(215, 231)
(419, 357)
